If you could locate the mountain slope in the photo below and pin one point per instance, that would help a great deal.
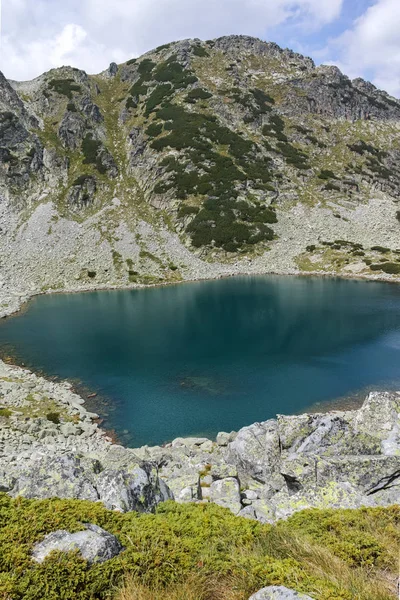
(198, 159)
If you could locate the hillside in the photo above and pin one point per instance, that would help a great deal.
(196, 160)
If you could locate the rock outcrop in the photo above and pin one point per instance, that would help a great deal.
(278, 592)
(51, 447)
(271, 470)
(94, 544)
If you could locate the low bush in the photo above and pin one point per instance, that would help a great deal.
(381, 249)
(387, 267)
(200, 51)
(197, 94)
(326, 174)
(54, 417)
(199, 552)
(65, 87)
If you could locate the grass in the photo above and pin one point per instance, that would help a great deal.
(200, 552)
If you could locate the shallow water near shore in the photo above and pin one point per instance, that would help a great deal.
(198, 358)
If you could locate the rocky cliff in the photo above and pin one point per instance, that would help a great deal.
(198, 159)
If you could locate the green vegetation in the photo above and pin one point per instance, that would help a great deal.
(172, 71)
(157, 96)
(200, 51)
(381, 249)
(131, 61)
(387, 267)
(65, 87)
(54, 417)
(197, 94)
(91, 274)
(326, 174)
(5, 412)
(296, 158)
(71, 107)
(200, 552)
(204, 171)
(154, 130)
(91, 149)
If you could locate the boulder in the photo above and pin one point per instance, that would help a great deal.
(278, 592)
(94, 543)
(226, 493)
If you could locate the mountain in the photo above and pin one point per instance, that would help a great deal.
(195, 160)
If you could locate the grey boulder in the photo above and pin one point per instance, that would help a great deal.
(95, 544)
(278, 592)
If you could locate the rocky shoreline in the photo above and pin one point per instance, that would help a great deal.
(50, 445)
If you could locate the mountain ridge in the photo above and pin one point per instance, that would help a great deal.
(197, 159)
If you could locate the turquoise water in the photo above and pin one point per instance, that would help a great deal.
(197, 358)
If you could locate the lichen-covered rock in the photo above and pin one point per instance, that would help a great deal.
(94, 544)
(278, 592)
(226, 493)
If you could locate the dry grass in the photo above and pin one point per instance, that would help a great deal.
(362, 583)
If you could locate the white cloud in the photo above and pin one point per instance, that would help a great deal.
(91, 33)
(372, 46)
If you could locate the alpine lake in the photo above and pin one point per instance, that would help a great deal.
(196, 358)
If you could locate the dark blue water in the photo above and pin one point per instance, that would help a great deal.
(198, 358)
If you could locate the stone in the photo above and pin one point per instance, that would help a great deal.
(226, 493)
(94, 543)
(278, 592)
(137, 489)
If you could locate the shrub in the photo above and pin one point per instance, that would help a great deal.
(71, 107)
(185, 210)
(200, 51)
(381, 249)
(130, 103)
(311, 248)
(131, 61)
(91, 274)
(398, 215)
(146, 67)
(91, 151)
(328, 554)
(54, 417)
(64, 87)
(154, 129)
(331, 187)
(197, 94)
(326, 174)
(172, 71)
(5, 412)
(387, 267)
(157, 96)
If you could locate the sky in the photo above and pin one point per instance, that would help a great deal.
(362, 37)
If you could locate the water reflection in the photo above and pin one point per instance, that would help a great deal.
(201, 357)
